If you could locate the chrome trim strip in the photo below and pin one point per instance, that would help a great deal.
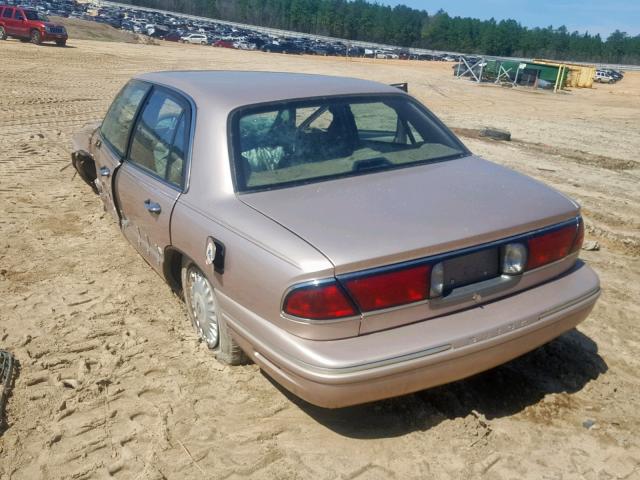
(484, 288)
(379, 363)
(307, 321)
(548, 313)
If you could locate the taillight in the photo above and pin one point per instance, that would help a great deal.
(389, 289)
(322, 301)
(552, 246)
(577, 244)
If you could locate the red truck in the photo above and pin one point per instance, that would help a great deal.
(30, 25)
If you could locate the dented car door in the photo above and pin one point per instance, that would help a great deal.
(152, 174)
(110, 144)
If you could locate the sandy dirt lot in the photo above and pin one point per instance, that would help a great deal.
(112, 382)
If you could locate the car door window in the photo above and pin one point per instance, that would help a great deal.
(176, 165)
(375, 121)
(159, 138)
(379, 122)
(8, 12)
(18, 15)
(119, 119)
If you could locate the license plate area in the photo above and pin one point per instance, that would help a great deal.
(471, 268)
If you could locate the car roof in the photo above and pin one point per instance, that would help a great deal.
(233, 89)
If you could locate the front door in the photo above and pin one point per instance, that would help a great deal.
(110, 145)
(151, 177)
(20, 24)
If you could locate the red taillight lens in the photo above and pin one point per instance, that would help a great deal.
(390, 289)
(552, 246)
(577, 244)
(320, 302)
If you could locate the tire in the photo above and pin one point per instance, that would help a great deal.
(3, 34)
(202, 309)
(35, 37)
(61, 43)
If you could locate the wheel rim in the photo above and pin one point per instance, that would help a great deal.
(35, 37)
(203, 307)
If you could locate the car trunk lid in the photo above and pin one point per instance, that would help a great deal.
(388, 217)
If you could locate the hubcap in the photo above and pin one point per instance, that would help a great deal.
(203, 307)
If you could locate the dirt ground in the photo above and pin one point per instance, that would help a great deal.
(113, 384)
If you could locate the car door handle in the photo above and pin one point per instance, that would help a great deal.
(105, 172)
(152, 207)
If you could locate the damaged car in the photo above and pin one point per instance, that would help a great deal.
(334, 231)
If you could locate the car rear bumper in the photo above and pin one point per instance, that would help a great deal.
(413, 357)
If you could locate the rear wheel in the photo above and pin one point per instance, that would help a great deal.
(36, 38)
(61, 43)
(202, 310)
(3, 34)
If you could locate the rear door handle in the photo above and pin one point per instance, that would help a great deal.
(105, 172)
(152, 207)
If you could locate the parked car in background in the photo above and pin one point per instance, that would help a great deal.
(284, 47)
(603, 77)
(615, 74)
(243, 45)
(195, 38)
(334, 231)
(30, 25)
(172, 37)
(223, 44)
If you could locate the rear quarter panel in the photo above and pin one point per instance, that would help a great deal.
(262, 258)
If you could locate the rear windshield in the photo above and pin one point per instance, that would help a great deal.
(302, 142)
(35, 15)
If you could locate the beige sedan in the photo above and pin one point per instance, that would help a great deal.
(334, 231)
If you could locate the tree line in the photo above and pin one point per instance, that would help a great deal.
(408, 27)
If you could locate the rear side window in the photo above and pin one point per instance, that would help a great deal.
(117, 123)
(8, 12)
(159, 138)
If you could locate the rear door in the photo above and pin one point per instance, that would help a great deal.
(111, 143)
(9, 22)
(152, 175)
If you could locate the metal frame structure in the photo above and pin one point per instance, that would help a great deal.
(470, 68)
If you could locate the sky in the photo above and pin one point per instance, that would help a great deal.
(594, 16)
